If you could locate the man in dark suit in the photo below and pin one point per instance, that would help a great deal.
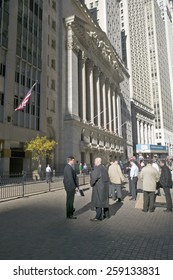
(70, 183)
(100, 191)
(166, 184)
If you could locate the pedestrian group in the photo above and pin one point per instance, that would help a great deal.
(107, 182)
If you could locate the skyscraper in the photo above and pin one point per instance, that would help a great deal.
(160, 70)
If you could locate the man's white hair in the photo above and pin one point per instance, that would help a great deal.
(98, 161)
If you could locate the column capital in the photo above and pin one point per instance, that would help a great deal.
(90, 64)
(112, 85)
(97, 72)
(83, 57)
(102, 77)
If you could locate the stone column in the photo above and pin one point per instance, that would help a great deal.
(104, 101)
(84, 104)
(152, 134)
(109, 108)
(114, 111)
(138, 132)
(91, 90)
(72, 75)
(145, 133)
(97, 79)
(149, 134)
(142, 132)
(119, 115)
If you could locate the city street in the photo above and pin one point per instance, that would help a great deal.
(36, 228)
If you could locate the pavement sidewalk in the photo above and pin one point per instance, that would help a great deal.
(35, 228)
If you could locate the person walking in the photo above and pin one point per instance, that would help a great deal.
(116, 179)
(48, 173)
(166, 184)
(80, 168)
(149, 177)
(70, 184)
(100, 190)
(133, 178)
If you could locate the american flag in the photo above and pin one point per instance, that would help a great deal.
(25, 100)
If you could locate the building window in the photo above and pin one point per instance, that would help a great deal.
(53, 44)
(53, 84)
(54, 25)
(52, 106)
(1, 98)
(53, 5)
(2, 70)
(53, 63)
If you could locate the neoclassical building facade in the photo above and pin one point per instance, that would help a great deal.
(93, 119)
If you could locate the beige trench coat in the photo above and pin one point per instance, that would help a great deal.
(149, 176)
(115, 174)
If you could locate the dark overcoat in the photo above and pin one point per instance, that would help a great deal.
(100, 183)
(165, 177)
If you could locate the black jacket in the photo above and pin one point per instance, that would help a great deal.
(70, 178)
(165, 177)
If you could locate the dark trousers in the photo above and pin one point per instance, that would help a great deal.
(149, 199)
(69, 203)
(133, 184)
(130, 187)
(48, 176)
(100, 214)
(168, 198)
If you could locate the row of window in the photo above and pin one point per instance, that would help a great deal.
(2, 70)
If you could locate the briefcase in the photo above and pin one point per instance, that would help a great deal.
(81, 192)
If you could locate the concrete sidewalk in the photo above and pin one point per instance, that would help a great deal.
(36, 228)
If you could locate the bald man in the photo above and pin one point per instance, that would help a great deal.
(100, 191)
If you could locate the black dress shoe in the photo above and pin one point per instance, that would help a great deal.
(167, 210)
(144, 210)
(72, 217)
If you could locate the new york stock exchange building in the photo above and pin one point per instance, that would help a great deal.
(93, 124)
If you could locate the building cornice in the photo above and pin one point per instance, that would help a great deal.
(143, 108)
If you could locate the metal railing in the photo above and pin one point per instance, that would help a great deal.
(21, 185)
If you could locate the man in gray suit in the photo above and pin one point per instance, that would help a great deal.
(71, 184)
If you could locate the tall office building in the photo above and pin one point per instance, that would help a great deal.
(159, 37)
(20, 67)
(107, 14)
(133, 22)
(166, 7)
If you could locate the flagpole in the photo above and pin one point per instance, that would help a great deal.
(33, 85)
(90, 122)
(26, 98)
